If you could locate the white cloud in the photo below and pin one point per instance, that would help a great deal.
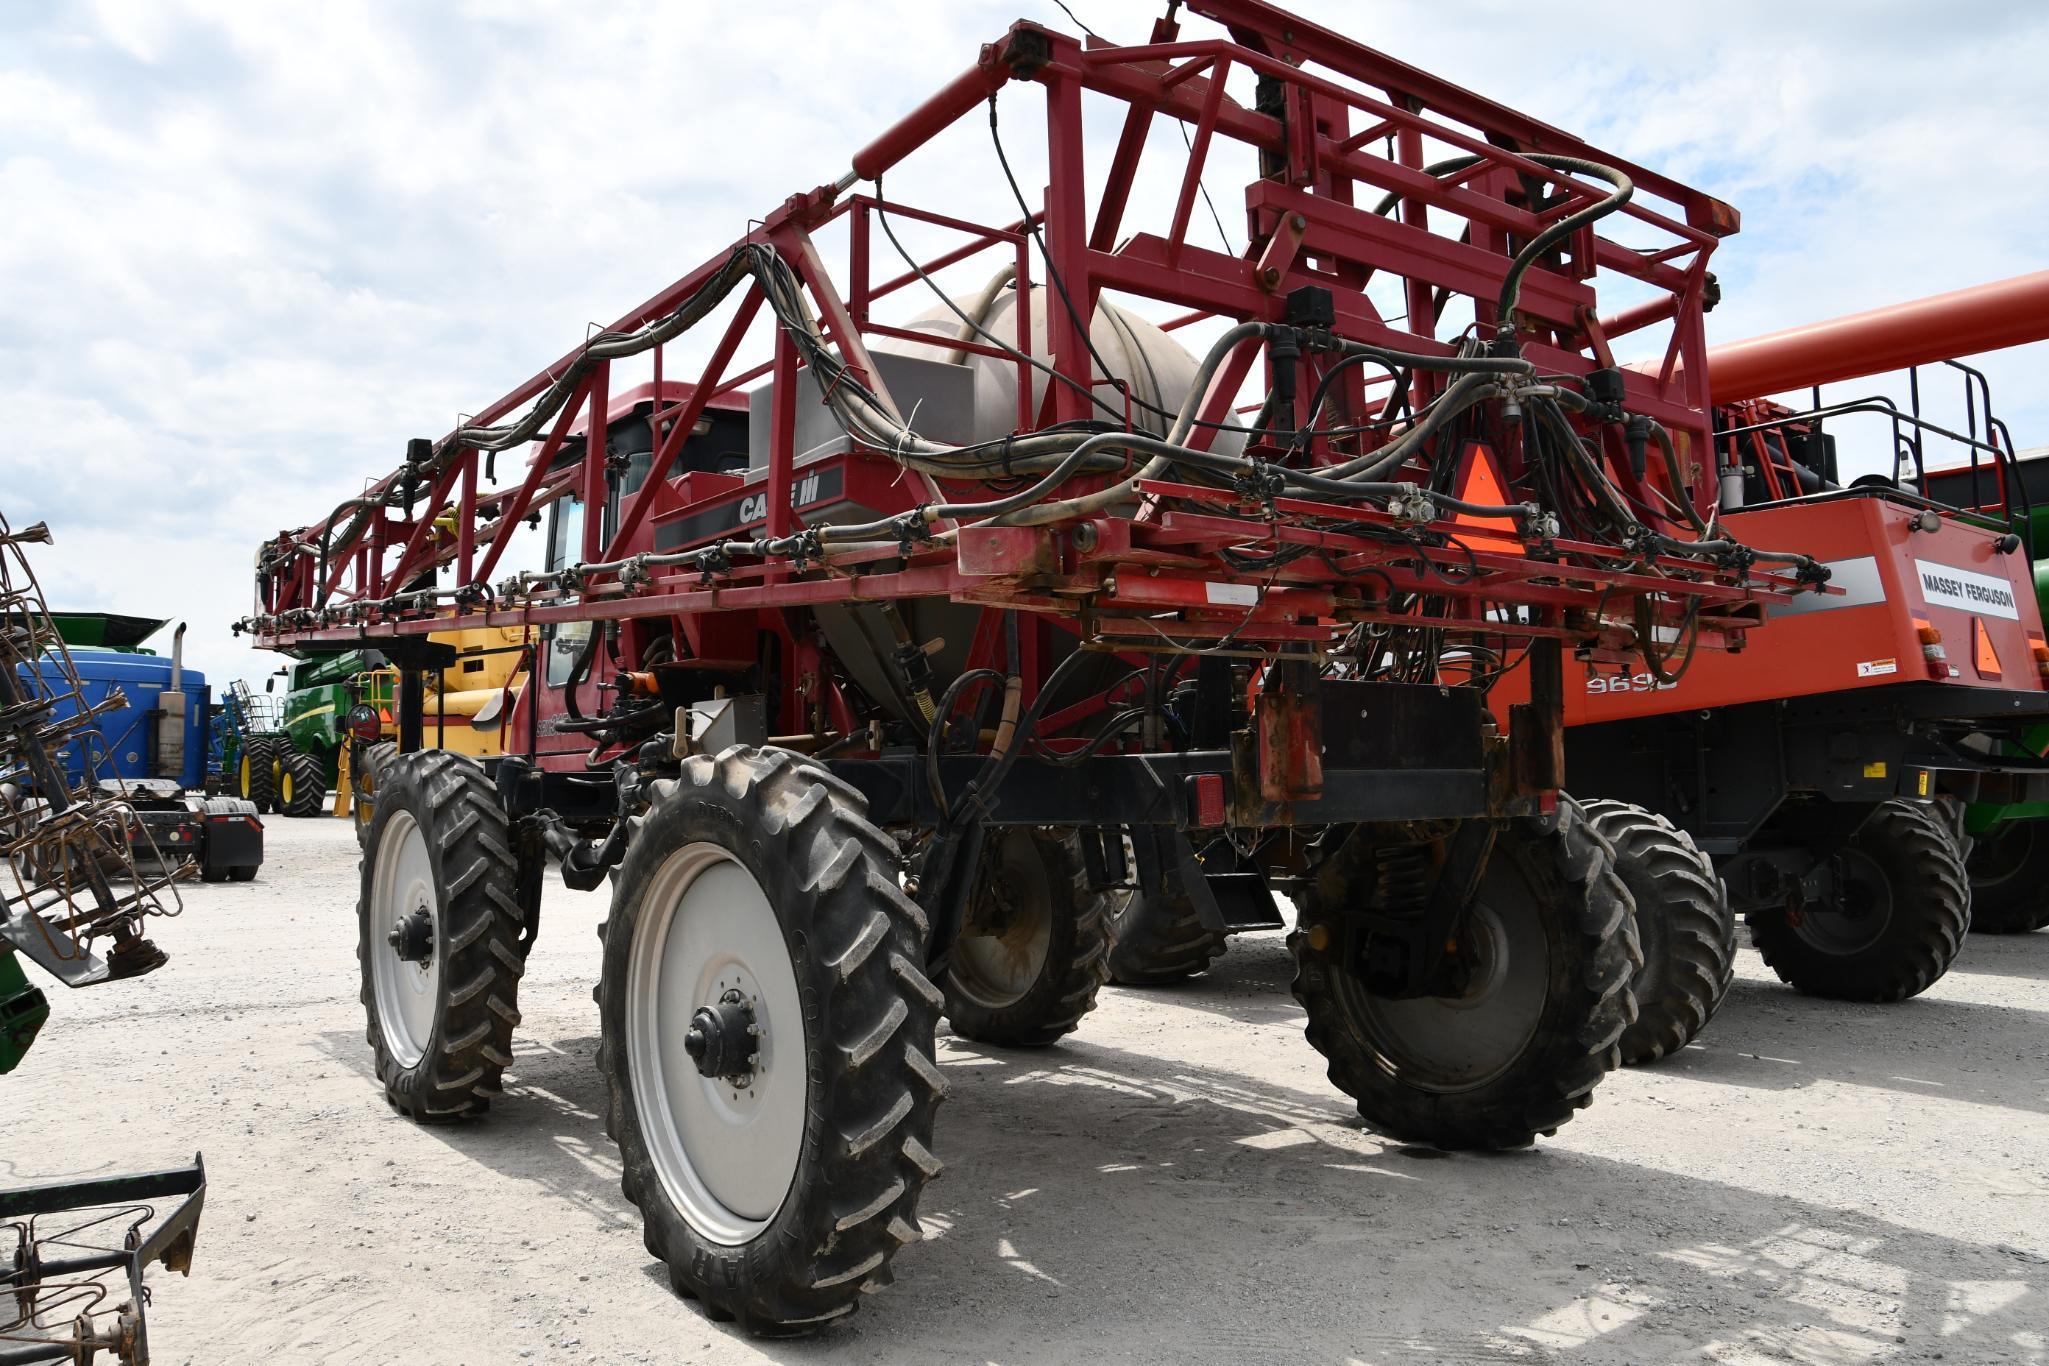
(247, 250)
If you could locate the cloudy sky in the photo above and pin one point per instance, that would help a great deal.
(246, 250)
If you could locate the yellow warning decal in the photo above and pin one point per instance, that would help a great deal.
(1924, 786)
(1875, 769)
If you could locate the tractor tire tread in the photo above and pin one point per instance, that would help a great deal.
(1936, 903)
(1160, 941)
(875, 1082)
(2018, 901)
(459, 815)
(1690, 952)
(261, 792)
(309, 787)
(1536, 1099)
(1074, 973)
(363, 785)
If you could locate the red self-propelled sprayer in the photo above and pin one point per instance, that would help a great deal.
(883, 652)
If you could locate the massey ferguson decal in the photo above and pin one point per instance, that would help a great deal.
(1947, 586)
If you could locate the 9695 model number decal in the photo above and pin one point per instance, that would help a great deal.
(1607, 683)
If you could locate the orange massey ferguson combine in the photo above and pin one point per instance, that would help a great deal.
(1824, 769)
(874, 684)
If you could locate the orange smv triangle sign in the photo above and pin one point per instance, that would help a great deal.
(1986, 654)
(1480, 481)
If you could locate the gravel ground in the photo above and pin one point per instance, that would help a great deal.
(1815, 1182)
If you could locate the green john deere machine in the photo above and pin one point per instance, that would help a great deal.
(285, 754)
(280, 758)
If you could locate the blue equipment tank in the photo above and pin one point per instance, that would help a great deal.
(124, 742)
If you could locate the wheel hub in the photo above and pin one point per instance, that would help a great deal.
(724, 1040)
(1480, 963)
(1483, 1021)
(412, 936)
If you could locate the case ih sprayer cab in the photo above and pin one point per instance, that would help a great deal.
(872, 685)
(1826, 769)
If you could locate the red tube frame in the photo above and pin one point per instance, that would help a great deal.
(1307, 231)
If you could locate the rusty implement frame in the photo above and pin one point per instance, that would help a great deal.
(72, 1259)
(73, 896)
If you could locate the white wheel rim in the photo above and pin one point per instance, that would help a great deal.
(406, 992)
(726, 1154)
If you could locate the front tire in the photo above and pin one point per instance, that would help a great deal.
(1683, 923)
(778, 1184)
(1902, 906)
(2009, 872)
(438, 925)
(1522, 1049)
(1034, 950)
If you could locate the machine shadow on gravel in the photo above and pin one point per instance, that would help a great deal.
(1157, 1155)
(1770, 1038)
(2021, 956)
(1766, 1037)
(548, 1131)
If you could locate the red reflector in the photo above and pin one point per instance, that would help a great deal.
(1209, 798)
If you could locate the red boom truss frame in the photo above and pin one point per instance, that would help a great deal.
(1337, 126)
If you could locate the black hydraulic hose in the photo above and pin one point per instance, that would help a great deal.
(1330, 377)
(1463, 393)
(935, 734)
(1668, 456)
(1511, 284)
(1102, 740)
(1810, 569)
(1534, 249)
(1453, 364)
(997, 767)
(579, 671)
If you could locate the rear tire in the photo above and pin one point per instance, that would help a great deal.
(1683, 923)
(245, 872)
(1903, 905)
(1156, 941)
(256, 775)
(439, 858)
(302, 790)
(777, 1194)
(1035, 948)
(1517, 1057)
(2009, 872)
